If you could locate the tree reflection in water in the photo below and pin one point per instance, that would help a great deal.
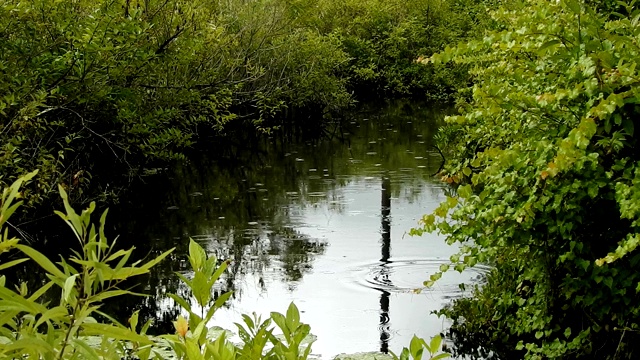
(385, 321)
(243, 203)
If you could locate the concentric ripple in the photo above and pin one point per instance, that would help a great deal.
(407, 275)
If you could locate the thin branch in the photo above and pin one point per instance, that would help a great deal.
(443, 160)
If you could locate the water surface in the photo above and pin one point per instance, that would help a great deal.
(320, 222)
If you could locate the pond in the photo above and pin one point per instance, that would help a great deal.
(322, 223)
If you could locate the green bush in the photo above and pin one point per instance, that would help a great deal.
(383, 39)
(546, 165)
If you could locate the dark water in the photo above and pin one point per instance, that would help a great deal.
(321, 222)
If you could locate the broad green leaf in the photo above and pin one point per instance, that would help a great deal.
(293, 316)
(465, 191)
(197, 255)
(199, 330)
(201, 288)
(281, 322)
(573, 5)
(434, 345)
(193, 350)
(414, 346)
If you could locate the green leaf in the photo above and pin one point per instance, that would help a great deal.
(547, 45)
(67, 290)
(199, 329)
(193, 350)
(465, 191)
(440, 356)
(404, 355)
(30, 343)
(118, 254)
(197, 255)
(133, 320)
(6, 214)
(9, 264)
(41, 291)
(155, 261)
(71, 217)
(145, 326)
(573, 5)
(182, 302)
(293, 316)
(435, 343)
(281, 322)
(114, 332)
(414, 346)
(42, 260)
(218, 304)
(56, 313)
(201, 288)
(113, 293)
(85, 349)
(221, 269)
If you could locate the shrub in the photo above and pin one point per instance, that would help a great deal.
(545, 162)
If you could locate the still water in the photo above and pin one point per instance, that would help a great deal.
(322, 223)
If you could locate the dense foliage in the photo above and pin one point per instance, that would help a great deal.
(383, 38)
(136, 79)
(88, 85)
(546, 162)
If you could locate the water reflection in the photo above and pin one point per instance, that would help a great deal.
(307, 221)
(385, 220)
